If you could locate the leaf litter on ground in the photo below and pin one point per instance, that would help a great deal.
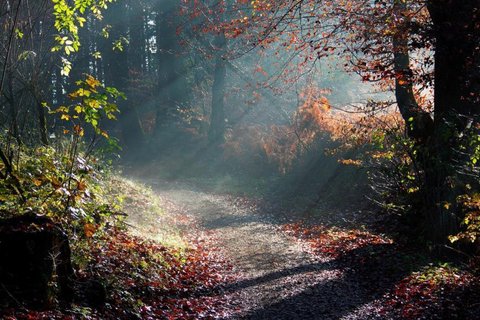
(420, 287)
(181, 278)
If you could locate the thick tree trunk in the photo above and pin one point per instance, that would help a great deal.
(13, 110)
(132, 131)
(457, 59)
(456, 35)
(419, 124)
(457, 64)
(136, 49)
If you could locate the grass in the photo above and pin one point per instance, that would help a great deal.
(145, 213)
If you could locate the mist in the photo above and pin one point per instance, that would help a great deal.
(212, 109)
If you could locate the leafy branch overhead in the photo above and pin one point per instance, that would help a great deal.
(69, 18)
(91, 103)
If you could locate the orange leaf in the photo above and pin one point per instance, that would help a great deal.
(89, 230)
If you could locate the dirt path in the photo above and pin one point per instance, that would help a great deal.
(279, 278)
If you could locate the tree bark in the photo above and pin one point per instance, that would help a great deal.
(419, 124)
(457, 81)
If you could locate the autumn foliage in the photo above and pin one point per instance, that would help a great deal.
(146, 280)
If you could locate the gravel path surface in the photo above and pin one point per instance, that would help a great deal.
(279, 277)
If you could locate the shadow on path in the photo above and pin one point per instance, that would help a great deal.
(280, 279)
(367, 274)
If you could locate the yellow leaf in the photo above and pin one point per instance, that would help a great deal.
(92, 82)
(95, 104)
(453, 238)
(83, 92)
(56, 184)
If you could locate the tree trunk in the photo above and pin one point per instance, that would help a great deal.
(419, 124)
(117, 74)
(14, 128)
(457, 64)
(136, 48)
(42, 123)
(165, 35)
(456, 34)
(216, 133)
(132, 132)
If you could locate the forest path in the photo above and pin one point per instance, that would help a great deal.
(278, 277)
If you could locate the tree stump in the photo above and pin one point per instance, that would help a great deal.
(35, 262)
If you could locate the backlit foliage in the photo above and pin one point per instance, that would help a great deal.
(92, 102)
(69, 18)
(471, 222)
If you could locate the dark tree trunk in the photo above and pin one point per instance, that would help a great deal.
(81, 62)
(41, 79)
(216, 133)
(173, 87)
(456, 34)
(132, 132)
(59, 97)
(457, 59)
(14, 128)
(136, 48)
(42, 124)
(117, 74)
(457, 64)
(419, 124)
(165, 35)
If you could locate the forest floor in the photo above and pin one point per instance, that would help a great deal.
(194, 252)
(315, 269)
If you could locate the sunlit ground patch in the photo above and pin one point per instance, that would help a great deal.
(146, 215)
(331, 241)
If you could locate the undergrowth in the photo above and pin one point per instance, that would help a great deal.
(111, 222)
